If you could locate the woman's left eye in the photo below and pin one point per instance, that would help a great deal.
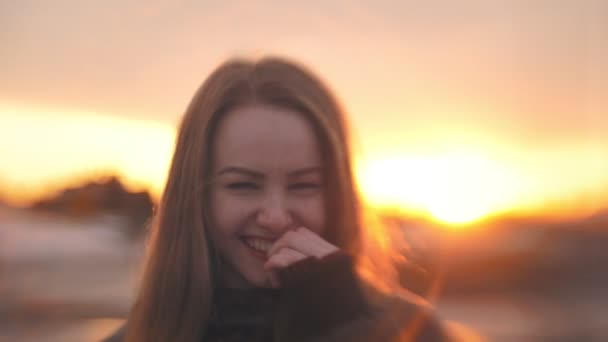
(242, 186)
(298, 186)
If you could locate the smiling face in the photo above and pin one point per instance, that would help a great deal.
(267, 177)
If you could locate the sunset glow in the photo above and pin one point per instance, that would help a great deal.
(453, 187)
(45, 150)
(459, 111)
(454, 184)
(459, 187)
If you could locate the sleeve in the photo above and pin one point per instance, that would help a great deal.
(319, 294)
(323, 300)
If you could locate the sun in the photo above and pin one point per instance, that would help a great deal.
(454, 214)
(455, 188)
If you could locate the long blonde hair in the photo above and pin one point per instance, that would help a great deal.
(174, 302)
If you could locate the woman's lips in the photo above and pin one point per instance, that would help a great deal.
(258, 246)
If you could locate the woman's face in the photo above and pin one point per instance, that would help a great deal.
(267, 178)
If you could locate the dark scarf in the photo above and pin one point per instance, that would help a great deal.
(242, 315)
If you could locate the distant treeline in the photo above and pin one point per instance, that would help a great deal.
(106, 196)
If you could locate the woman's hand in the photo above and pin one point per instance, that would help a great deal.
(293, 246)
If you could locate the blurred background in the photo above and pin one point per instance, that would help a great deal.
(481, 134)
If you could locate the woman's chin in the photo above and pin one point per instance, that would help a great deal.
(261, 281)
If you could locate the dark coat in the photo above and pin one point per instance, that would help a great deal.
(320, 300)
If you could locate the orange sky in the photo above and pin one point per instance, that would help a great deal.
(460, 110)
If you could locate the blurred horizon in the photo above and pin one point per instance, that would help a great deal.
(103, 193)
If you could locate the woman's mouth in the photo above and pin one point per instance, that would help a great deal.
(259, 247)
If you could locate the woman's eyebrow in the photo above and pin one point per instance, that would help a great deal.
(256, 174)
(304, 171)
(240, 170)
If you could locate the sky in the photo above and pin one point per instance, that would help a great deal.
(459, 109)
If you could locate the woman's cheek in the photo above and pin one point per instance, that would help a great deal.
(231, 210)
(312, 213)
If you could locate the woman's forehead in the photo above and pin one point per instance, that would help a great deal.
(266, 137)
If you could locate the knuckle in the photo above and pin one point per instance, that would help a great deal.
(290, 236)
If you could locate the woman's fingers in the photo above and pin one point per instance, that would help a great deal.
(304, 241)
(283, 258)
(293, 246)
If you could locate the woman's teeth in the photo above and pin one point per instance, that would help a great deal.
(258, 244)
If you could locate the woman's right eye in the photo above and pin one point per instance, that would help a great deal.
(242, 186)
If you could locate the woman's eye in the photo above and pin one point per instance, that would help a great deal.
(242, 186)
(304, 186)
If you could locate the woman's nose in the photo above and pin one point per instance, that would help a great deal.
(274, 215)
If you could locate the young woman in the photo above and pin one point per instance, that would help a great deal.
(260, 234)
